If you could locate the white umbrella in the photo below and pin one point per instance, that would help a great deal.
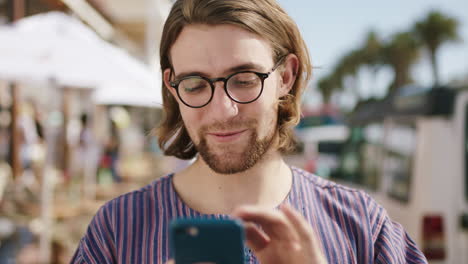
(119, 94)
(54, 46)
(59, 47)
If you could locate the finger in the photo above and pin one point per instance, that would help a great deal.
(302, 227)
(273, 222)
(256, 238)
(171, 261)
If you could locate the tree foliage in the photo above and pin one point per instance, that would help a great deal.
(400, 52)
(433, 31)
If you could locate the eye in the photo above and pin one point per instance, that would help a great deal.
(244, 80)
(193, 85)
(193, 89)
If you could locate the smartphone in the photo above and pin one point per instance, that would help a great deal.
(199, 240)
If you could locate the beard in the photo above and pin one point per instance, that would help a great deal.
(229, 161)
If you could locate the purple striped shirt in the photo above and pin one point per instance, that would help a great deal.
(351, 226)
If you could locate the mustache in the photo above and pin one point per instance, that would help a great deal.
(231, 125)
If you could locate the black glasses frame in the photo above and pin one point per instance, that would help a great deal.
(262, 76)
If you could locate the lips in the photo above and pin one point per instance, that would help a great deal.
(226, 136)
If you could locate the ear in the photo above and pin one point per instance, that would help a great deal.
(288, 74)
(167, 79)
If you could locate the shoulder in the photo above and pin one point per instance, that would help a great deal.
(133, 205)
(355, 208)
(124, 219)
(143, 197)
(327, 187)
(353, 203)
(336, 199)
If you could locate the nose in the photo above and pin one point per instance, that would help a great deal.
(221, 106)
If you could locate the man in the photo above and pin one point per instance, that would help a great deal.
(233, 75)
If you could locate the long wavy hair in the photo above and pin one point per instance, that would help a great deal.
(262, 17)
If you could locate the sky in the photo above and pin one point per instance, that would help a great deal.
(333, 28)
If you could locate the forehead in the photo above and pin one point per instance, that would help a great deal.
(213, 49)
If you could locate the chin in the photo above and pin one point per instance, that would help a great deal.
(229, 162)
(234, 158)
(229, 168)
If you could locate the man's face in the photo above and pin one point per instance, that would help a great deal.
(229, 136)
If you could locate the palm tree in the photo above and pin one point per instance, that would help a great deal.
(346, 71)
(349, 63)
(371, 52)
(433, 31)
(400, 53)
(327, 86)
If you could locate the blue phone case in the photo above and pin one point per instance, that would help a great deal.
(220, 241)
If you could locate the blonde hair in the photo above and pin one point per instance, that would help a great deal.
(262, 17)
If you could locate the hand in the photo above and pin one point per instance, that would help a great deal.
(280, 236)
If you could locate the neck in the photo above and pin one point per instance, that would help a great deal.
(266, 184)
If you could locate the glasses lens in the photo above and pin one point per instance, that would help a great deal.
(244, 86)
(194, 91)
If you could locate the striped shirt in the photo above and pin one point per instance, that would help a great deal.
(351, 226)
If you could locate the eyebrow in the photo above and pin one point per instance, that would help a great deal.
(241, 67)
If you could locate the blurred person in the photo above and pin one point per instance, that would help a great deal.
(83, 148)
(233, 75)
(32, 147)
(29, 136)
(108, 168)
(40, 145)
(113, 150)
(4, 135)
(20, 247)
(86, 157)
(31, 253)
(5, 169)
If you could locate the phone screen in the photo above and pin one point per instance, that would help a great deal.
(219, 241)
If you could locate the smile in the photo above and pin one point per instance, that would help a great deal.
(227, 136)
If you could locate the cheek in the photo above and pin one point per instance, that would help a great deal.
(266, 114)
(272, 87)
(269, 101)
(191, 121)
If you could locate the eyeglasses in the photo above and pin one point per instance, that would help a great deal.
(242, 87)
